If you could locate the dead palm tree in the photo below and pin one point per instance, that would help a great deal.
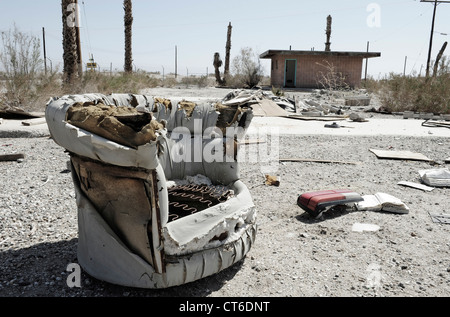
(128, 22)
(70, 55)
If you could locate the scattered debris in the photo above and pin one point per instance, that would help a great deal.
(334, 125)
(436, 177)
(358, 101)
(250, 142)
(425, 115)
(382, 202)
(272, 181)
(436, 124)
(317, 161)
(361, 227)
(400, 155)
(416, 185)
(355, 117)
(11, 157)
(440, 217)
(36, 121)
(268, 108)
(316, 118)
(315, 203)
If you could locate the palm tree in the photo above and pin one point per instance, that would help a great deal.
(128, 22)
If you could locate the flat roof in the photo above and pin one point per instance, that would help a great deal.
(271, 53)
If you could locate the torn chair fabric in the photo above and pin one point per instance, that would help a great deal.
(152, 211)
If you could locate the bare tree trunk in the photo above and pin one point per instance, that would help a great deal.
(70, 55)
(217, 63)
(128, 22)
(328, 33)
(438, 58)
(227, 52)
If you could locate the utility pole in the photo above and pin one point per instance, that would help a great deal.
(78, 40)
(45, 53)
(176, 60)
(436, 2)
(431, 40)
(404, 67)
(367, 61)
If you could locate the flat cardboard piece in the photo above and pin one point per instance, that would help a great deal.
(400, 155)
(268, 108)
(416, 185)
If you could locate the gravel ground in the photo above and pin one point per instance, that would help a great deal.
(294, 254)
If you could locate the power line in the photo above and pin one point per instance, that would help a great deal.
(86, 29)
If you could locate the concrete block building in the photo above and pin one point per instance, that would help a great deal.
(305, 69)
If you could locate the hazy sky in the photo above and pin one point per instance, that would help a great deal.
(396, 28)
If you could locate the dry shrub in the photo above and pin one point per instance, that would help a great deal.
(114, 83)
(200, 82)
(247, 70)
(400, 93)
(330, 78)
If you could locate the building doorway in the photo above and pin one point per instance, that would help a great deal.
(290, 73)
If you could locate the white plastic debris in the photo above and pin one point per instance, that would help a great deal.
(436, 177)
(382, 202)
(361, 227)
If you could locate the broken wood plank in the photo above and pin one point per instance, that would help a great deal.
(416, 185)
(319, 118)
(11, 157)
(33, 122)
(248, 142)
(400, 155)
(318, 161)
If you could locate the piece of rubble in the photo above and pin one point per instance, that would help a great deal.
(356, 117)
(361, 227)
(436, 177)
(11, 157)
(272, 181)
(357, 101)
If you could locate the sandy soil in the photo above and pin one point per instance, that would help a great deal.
(294, 254)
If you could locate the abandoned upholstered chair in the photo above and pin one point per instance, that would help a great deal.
(159, 199)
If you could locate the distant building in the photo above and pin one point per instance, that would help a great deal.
(306, 69)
